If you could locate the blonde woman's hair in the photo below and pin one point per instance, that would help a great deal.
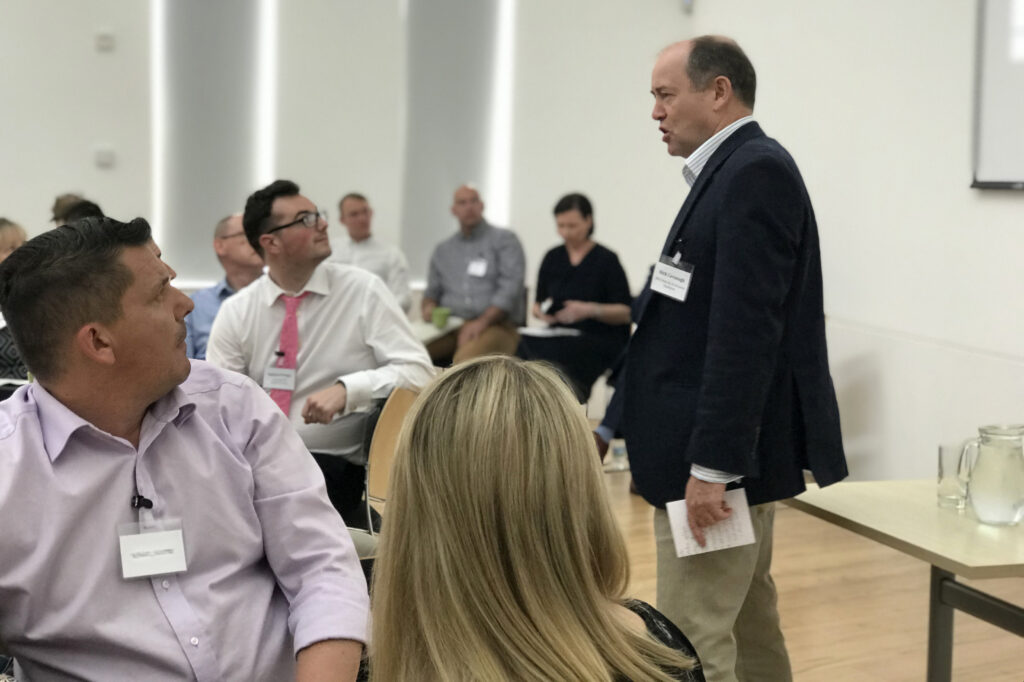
(499, 557)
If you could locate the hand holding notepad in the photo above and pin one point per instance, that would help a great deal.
(731, 532)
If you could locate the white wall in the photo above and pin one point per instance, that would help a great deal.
(60, 99)
(341, 90)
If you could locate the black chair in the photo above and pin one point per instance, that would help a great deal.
(7, 389)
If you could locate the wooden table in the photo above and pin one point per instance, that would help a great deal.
(905, 516)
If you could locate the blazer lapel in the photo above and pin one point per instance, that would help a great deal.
(731, 144)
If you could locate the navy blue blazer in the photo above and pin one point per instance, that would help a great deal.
(736, 378)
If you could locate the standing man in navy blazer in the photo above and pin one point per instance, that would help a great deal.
(727, 381)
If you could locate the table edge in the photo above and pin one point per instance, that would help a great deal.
(914, 551)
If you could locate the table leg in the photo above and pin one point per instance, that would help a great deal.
(940, 630)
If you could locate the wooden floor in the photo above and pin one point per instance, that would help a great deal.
(851, 608)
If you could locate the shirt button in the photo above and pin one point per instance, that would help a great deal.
(194, 641)
(166, 584)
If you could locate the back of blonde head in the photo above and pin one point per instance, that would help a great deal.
(499, 558)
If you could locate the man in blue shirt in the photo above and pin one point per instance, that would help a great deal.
(242, 266)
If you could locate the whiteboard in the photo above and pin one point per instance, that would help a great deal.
(999, 101)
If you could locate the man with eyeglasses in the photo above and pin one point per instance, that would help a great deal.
(324, 339)
(242, 266)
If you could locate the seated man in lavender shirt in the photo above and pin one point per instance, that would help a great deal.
(161, 518)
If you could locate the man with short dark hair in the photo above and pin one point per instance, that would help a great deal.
(228, 561)
(478, 274)
(242, 266)
(325, 339)
(360, 248)
(727, 381)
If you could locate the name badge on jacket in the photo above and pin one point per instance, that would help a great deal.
(671, 277)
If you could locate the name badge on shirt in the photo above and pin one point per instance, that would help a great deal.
(279, 378)
(477, 267)
(672, 277)
(156, 551)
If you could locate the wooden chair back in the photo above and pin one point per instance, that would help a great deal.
(385, 440)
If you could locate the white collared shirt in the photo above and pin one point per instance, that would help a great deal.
(696, 161)
(381, 259)
(350, 330)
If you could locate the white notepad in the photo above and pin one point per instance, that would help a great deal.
(732, 532)
(548, 332)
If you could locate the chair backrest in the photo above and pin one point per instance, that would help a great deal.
(385, 439)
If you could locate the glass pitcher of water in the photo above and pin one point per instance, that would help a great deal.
(995, 474)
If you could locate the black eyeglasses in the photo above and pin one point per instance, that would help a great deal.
(308, 220)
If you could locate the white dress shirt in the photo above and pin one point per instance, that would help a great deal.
(350, 330)
(381, 259)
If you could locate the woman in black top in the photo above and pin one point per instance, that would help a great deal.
(580, 286)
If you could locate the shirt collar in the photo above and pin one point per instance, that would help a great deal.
(696, 161)
(59, 424)
(358, 245)
(317, 284)
(223, 289)
(477, 230)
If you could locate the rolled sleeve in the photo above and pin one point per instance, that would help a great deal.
(305, 541)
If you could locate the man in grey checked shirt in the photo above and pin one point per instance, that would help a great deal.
(478, 274)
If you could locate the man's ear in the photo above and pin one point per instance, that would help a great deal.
(723, 91)
(94, 342)
(269, 243)
(218, 247)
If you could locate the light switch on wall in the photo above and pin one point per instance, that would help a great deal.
(105, 158)
(105, 41)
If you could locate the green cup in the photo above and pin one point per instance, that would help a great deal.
(439, 316)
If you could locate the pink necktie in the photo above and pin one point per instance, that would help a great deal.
(288, 349)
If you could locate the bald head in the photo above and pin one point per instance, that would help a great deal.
(228, 225)
(236, 256)
(467, 207)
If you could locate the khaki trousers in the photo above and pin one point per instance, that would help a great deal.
(725, 603)
(498, 338)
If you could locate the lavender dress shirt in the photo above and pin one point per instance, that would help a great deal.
(271, 568)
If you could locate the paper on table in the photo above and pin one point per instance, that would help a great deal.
(547, 332)
(732, 532)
